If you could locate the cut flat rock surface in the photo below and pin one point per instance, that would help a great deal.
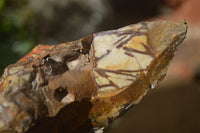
(81, 86)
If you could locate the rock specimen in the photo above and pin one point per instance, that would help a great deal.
(81, 86)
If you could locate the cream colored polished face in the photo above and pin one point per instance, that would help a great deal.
(121, 56)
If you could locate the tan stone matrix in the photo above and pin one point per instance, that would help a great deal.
(83, 85)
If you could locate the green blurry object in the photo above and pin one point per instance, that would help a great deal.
(2, 2)
(22, 47)
(16, 35)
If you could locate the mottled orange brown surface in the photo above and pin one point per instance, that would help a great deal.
(81, 86)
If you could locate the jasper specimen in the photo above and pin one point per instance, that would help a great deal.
(81, 86)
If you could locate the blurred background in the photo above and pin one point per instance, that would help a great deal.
(172, 107)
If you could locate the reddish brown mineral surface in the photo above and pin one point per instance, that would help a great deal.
(81, 86)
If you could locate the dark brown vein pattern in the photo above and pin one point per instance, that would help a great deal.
(133, 45)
